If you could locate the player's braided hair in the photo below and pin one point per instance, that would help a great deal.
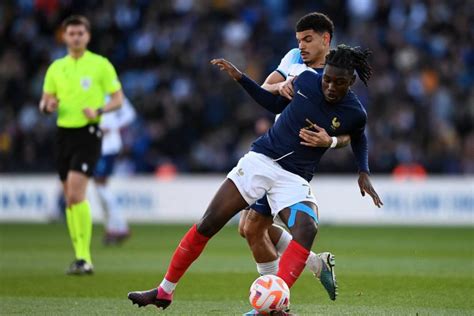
(351, 58)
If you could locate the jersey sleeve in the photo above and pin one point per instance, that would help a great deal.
(110, 82)
(360, 146)
(127, 113)
(49, 85)
(292, 57)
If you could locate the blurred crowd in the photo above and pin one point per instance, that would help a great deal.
(420, 99)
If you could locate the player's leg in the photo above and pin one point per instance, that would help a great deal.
(281, 239)
(226, 203)
(81, 213)
(85, 152)
(116, 226)
(71, 225)
(242, 219)
(300, 220)
(256, 233)
(63, 160)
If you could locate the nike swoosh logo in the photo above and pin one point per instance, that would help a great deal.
(256, 203)
(301, 94)
(182, 248)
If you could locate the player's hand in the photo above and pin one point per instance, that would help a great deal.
(285, 88)
(48, 105)
(366, 186)
(90, 113)
(317, 138)
(227, 66)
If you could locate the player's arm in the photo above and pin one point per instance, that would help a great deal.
(360, 149)
(273, 82)
(320, 138)
(277, 85)
(115, 102)
(278, 82)
(273, 103)
(49, 102)
(111, 86)
(127, 113)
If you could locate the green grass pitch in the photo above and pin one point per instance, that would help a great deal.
(380, 270)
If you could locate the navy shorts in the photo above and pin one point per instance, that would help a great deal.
(262, 207)
(105, 166)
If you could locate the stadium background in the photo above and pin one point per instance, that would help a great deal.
(193, 126)
(420, 99)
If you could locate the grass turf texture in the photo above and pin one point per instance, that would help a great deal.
(380, 270)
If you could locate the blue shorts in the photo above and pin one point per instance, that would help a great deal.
(105, 166)
(262, 207)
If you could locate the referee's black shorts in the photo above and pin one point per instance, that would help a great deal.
(78, 149)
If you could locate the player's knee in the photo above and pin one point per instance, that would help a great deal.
(74, 198)
(255, 227)
(209, 224)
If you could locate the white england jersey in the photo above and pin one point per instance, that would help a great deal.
(292, 65)
(111, 123)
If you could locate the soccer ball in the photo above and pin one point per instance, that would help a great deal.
(269, 293)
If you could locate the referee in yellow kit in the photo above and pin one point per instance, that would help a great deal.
(76, 86)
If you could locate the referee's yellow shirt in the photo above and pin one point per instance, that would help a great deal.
(78, 84)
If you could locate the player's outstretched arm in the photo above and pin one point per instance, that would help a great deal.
(273, 103)
(360, 149)
(228, 67)
(366, 186)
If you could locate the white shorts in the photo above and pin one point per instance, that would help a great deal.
(256, 175)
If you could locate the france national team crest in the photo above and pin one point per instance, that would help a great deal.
(335, 123)
(86, 83)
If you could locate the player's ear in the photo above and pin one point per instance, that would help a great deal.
(326, 39)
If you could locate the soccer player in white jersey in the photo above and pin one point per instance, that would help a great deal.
(116, 226)
(314, 32)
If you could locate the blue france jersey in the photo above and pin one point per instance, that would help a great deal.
(282, 141)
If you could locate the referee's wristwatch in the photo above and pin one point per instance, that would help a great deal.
(99, 111)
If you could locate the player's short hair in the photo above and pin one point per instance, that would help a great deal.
(316, 21)
(76, 20)
(351, 58)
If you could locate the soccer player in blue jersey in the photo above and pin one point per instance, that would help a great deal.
(266, 240)
(279, 164)
(314, 32)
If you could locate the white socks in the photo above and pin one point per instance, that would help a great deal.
(314, 263)
(115, 221)
(268, 267)
(168, 286)
(283, 242)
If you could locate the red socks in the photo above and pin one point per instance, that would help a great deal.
(188, 250)
(292, 263)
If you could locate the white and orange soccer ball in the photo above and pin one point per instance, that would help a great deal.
(269, 293)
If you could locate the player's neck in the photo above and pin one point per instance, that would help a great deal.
(318, 62)
(76, 54)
